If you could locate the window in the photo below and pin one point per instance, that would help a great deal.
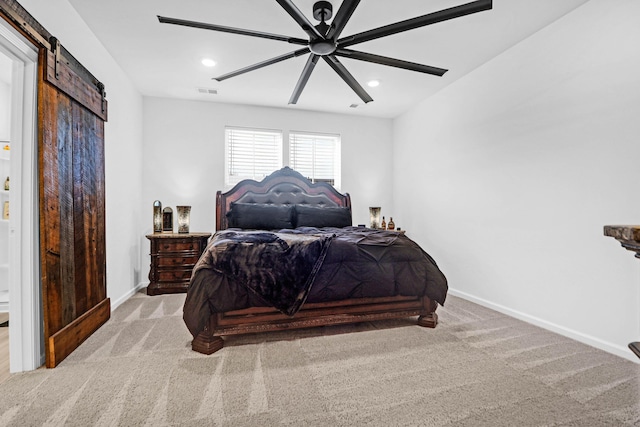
(251, 153)
(316, 156)
(256, 153)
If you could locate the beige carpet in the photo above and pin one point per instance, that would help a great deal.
(477, 368)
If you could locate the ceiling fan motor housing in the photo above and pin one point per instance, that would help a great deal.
(323, 48)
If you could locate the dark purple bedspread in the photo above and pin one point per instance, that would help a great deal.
(306, 264)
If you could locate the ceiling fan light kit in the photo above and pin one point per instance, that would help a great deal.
(324, 40)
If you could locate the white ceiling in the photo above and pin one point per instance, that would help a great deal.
(164, 60)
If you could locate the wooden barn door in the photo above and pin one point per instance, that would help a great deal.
(71, 115)
(72, 221)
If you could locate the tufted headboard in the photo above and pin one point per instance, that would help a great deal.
(282, 187)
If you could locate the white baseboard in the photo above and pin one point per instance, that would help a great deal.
(132, 292)
(623, 352)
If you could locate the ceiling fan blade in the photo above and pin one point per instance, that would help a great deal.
(347, 77)
(222, 28)
(302, 20)
(392, 62)
(342, 17)
(304, 78)
(262, 64)
(420, 21)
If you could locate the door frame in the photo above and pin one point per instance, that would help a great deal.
(26, 343)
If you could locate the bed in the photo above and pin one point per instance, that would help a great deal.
(285, 255)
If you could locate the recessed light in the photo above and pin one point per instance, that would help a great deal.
(208, 62)
(373, 83)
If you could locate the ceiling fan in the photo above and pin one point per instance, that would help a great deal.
(325, 42)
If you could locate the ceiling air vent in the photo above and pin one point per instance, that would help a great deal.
(207, 91)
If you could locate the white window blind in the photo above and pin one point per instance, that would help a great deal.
(251, 153)
(316, 156)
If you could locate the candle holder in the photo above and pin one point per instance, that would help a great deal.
(374, 217)
(167, 220)
(184, 213)
(157, 216)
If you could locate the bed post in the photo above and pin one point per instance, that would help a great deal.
(206, 342)
(428, 317)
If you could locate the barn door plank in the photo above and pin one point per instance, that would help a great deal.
(64, 182)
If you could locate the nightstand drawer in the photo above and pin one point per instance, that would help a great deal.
(176, 261)
(178, 246)
(174, 275)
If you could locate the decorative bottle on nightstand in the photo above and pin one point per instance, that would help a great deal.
(391, 225)
(383, 225)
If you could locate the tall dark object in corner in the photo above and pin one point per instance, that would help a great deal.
(629, 238)
(71, 113)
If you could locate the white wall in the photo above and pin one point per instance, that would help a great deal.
(522, 163)
(184, 156)
(5, 116)
(123, 142)
(5, 109)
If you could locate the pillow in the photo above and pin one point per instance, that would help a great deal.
(260, 217)
(313, 216)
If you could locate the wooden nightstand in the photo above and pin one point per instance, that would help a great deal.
(173, 256)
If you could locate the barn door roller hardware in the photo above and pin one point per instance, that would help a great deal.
(103, 94)
(55, 48)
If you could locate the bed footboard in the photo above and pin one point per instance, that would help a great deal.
(261, 319)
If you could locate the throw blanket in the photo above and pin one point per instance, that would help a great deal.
(278, 268)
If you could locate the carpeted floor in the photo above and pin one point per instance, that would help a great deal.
(477, 368)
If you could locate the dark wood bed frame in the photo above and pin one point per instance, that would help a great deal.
(287, 186)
